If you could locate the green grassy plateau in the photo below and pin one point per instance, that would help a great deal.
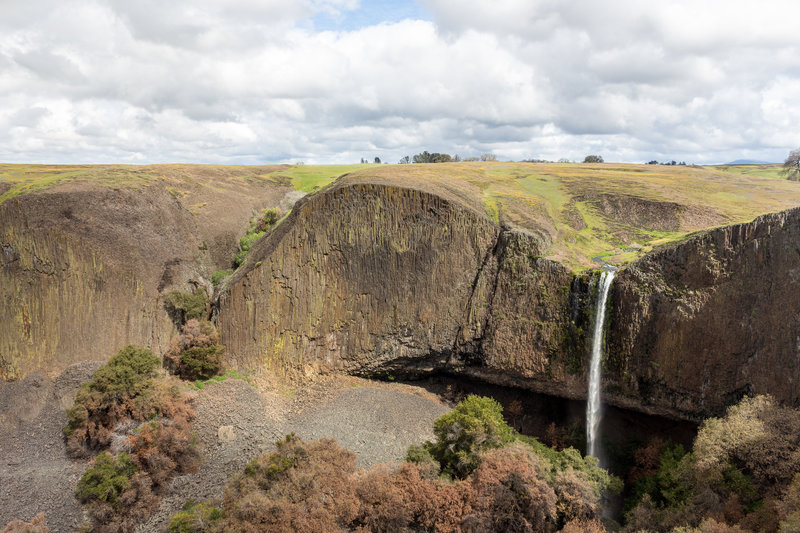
(581, 212)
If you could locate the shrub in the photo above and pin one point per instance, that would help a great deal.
(300, 487)
(120, 389)
(511, 493)
(183, 306)
(36, 525)
(195, 517)
(107, 479)
(164, 448)
(476, 424)
(759, 436)
(218, 276)
(195, 352)
(268, 219)
(257, 230)
(201, 362)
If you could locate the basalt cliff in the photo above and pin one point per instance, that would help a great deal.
(387, 277)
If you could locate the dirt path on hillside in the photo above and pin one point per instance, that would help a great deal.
(235, 422)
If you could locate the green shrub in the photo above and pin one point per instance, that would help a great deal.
(195, 517)
(121, 386)
(201, 362)
(257, 230)
(183, 306)
(195, 353)
(268, 219)
(218, 276)
(475, 425)
(106, 479)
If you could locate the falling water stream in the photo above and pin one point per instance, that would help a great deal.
(593, 407)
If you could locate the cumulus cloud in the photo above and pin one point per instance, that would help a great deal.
(250, 82)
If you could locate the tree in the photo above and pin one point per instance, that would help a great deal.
(593, 159)
(405, 160)
(377, 160)
(791, 167)
(434, 157)
(488, 157)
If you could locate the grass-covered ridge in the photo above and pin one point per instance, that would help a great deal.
(581, 212)
(614, 212)
(178, 179)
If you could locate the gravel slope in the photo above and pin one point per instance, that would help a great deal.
(235, 422)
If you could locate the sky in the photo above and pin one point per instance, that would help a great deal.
(334, 81)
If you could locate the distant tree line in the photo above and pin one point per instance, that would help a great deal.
(436, 157)
(669, 163)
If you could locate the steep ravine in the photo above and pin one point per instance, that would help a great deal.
(377, 279)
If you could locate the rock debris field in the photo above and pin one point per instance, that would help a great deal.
(236, 421)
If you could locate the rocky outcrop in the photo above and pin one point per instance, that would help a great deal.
(378, 279)
(362, 278)
(378, 276)
(374, 278)
(697, 325)
(83, 268)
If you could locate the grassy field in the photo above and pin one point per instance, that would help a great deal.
(765, 171)
(25, 179)
(587, 213)
(582, 213)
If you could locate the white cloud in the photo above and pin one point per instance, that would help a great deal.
(242, 81)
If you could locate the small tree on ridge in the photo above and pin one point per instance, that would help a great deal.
(791, 167)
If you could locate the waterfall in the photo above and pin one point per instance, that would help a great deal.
(593, 413)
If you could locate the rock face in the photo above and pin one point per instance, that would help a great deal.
(377, 279)
(361, 278)
(83, 268)
(380, 277)
(695, 326)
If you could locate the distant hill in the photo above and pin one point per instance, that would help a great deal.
(749, 162)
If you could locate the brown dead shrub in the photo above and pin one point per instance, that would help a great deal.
(583, 526)
(304, 485)
(511, 493)
(36, 525)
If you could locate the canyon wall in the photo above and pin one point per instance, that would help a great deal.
(377, 279)
(361, 278)
(83, 269)
(381, 278)
(695, 326)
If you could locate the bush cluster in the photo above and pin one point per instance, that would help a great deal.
(195, 353)
(184, 306)
(257, 230)
(121, 490)
(498, 483)
(741, 475)
(122, 389)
